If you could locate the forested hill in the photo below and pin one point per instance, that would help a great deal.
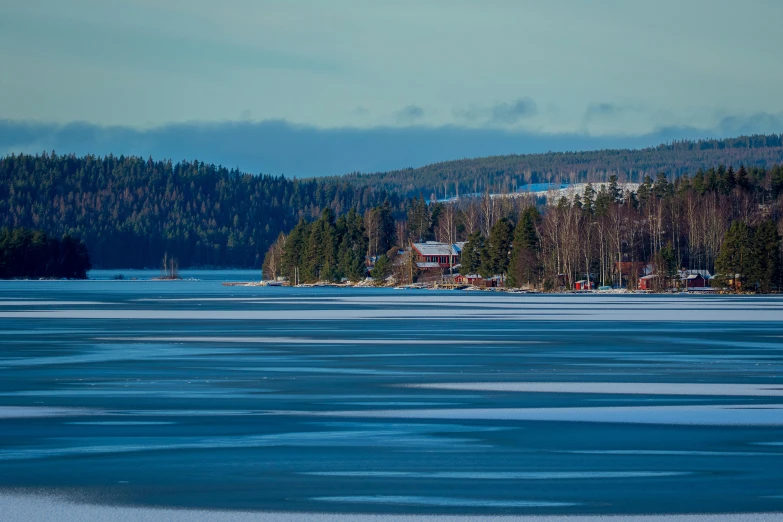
(506, 173)
(129, 211)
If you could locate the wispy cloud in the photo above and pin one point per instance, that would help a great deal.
(510, 113)
(410, 114)
(498, 114)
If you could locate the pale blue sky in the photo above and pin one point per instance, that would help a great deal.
(611, 68)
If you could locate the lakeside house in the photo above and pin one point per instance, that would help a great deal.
(433, 255)
(695, 278)
(478, 281)
(469, 279)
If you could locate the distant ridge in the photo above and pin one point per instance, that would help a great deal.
(505, 173)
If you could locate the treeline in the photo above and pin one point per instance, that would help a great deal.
(607, 234)
(611, 237)
(507, 173)
(130, 211)
(26, 254)
(330, 249)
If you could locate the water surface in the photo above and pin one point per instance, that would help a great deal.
(194, 395)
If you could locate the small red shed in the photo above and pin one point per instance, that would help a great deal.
(584, 284)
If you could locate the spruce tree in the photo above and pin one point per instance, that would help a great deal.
(614, 189)
(765, 264)
(472, 253)
(382, 269)
(525, 264)
(742, 178)
(295, 245)
(734, 259)
(588, 200)
(495, 261)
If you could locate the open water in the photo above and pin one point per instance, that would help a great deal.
(260, 401)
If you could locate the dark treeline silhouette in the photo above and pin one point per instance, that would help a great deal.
(130, 211)
(33, 254)
(718, 220)
(507, 173)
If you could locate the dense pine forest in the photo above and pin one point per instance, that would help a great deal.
(724, 221)
(507, 173)
(130, 211)
(27, 254)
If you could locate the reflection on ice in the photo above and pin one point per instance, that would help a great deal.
(441, 501)
(708, 415)
(502, 475)
(22, 412)
(633, 388)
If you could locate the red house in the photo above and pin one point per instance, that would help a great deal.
(469, 279)
(694, 281)
(584, 284)
(647, 282)
(436, 255)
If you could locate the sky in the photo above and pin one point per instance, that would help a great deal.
(308, 87)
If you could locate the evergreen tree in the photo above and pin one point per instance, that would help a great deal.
(735, 257)
(386, 226)
(525, 265)
(472, 253)
(698, 183)
(588, 200)
(382, 269)
(666, 264)
(730, 180)
(615, 193)
(742, 178)
(419, 220)
(293, 256)
(603, 201)
(351, 262)
(765, 264)
(644, 192)
(662, 188)
(496, 259)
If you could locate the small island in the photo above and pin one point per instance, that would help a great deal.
(33, 254)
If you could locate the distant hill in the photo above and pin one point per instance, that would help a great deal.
(130, 211)
(505, 173)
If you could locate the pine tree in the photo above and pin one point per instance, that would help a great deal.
(644, 192)
(662, 188)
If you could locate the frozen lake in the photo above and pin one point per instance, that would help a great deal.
(122, 397)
